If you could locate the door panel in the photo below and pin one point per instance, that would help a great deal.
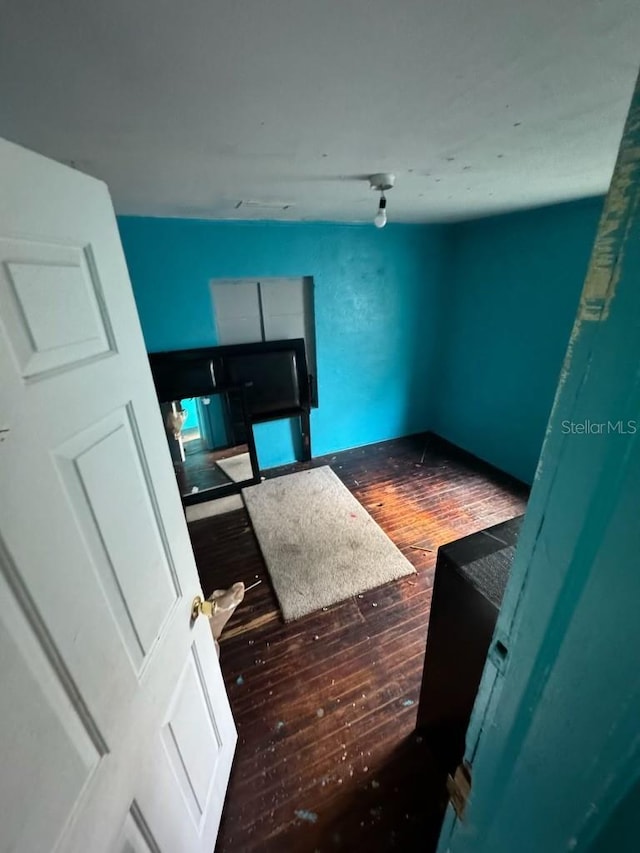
(37, 284)
(135, 836)
(98, 466)
(46, 740)
(191, 738)
(106, 465)
(117, 716)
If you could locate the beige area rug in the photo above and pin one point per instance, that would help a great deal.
(320, 545)
(237, 468)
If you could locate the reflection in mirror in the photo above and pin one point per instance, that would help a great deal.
(208, 439)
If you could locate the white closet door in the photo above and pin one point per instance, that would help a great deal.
(283, 308)
(236, 309)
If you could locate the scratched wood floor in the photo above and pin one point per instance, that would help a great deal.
(327, 756)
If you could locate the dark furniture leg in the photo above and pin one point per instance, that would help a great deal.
(305, 428)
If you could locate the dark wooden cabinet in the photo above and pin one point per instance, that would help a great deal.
(470, 579)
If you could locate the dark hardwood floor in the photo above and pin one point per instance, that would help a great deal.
(327, 756)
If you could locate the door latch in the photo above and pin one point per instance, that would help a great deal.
(459, 788)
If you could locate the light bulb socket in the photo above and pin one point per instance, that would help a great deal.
(382, 181)
(383, 202)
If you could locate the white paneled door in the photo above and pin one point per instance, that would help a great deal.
(115, 729)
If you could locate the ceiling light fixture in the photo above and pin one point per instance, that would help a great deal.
(381, 182)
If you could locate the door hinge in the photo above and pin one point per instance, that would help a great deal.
(459, 788)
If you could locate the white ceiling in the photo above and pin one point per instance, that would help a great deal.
(188, 108)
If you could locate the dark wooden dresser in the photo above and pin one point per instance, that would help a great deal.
(470, 579)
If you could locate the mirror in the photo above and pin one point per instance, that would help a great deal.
(211, 444)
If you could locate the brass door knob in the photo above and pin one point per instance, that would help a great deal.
(204, 608)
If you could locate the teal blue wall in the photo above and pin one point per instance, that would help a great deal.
(191, 409)
(376, 312)
(512, 288)
(461, 329)
(620, 830)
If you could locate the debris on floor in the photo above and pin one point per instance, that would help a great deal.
(305, 814)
